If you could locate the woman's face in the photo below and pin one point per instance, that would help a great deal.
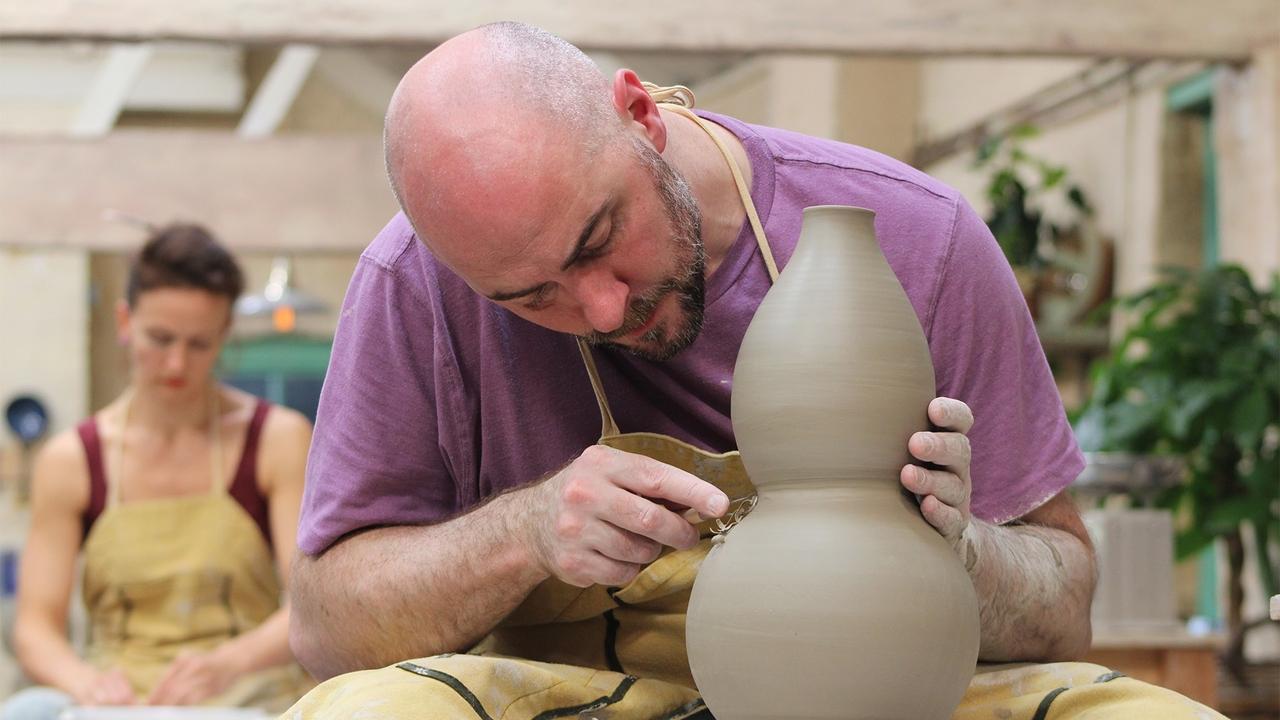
(174, 336)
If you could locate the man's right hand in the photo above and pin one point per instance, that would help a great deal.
(105, 687)
(607, 514)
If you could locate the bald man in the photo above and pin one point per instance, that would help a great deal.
(467, 524)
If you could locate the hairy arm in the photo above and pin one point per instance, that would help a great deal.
(1035, 581)
(1034, 578)
(392, 593)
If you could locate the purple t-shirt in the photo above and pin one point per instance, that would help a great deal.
(436, 398)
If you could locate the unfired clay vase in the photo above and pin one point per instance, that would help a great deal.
(833, 598)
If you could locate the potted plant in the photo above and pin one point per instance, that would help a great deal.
(1020, 183)
(1197, 377)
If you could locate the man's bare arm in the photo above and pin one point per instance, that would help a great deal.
(1035, 582)
(394, 593)
(1034, 579)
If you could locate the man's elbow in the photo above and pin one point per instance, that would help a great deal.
(1077, 641)
(309, 638)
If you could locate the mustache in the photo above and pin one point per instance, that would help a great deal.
(637, 313)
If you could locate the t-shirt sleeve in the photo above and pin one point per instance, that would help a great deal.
(987, 354)
(376, 457)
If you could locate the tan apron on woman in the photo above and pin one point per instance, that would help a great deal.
(602, 652)
(171, 575)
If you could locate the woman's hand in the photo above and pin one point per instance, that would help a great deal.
(192, 678)
(105, 687)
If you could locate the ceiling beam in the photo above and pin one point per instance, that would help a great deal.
(278, 90)
(296, 193)
(1225, 29)
(1101, 85)
(116, 77)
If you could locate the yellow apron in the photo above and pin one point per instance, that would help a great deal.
(188, 573)
(603, 652)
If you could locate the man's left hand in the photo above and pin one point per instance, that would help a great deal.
(192, 678)
(944, 487)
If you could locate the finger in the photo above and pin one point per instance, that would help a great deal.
(946, 449)
(652, 479)
(623, 545)
(950, 414)
(584, 569)
(945, 519)
(650, 520)
(164, 690)
(187, 696)
(158, 693)
(947, 487)
(121, 691)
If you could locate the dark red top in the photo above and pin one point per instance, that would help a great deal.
(244, 486)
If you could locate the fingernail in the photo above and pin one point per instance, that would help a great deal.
(718, 504)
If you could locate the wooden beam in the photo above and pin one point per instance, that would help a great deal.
(301, 194)
(116, 77)
(277, 92)
(1225, 29)
(364, 81)
(1101, 85)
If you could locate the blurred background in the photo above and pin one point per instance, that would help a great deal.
(1126, 156)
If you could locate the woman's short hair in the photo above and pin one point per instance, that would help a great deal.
(184, 256)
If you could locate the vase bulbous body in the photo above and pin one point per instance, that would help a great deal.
(833, 598)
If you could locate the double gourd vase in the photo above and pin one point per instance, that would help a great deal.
(833, 597)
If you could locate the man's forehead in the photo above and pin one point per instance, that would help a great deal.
(527, 211)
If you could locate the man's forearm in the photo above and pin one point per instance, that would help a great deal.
(395, 593)
(1035, 587)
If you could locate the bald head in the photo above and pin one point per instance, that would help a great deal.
(486, 112)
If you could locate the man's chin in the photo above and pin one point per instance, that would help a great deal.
(656, 349)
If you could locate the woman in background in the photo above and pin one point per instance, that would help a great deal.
(182, 498)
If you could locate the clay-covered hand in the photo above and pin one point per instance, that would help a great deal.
(192, 678)
(105, 687)
(608, 514)
(945, 487)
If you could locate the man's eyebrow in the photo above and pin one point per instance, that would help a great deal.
(585, 236)
(587, 231)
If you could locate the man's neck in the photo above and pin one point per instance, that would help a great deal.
(696, 156)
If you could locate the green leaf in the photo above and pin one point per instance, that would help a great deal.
(1228, 514)
(1051, 175)
(1190, 542)
(1251, 417)
(1193, 399)
(1024, 132)
(1078, 200)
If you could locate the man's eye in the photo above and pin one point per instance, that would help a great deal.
(538, 300)
(599, 250)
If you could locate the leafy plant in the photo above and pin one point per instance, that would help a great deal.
(1198, 376)
(1018, 185)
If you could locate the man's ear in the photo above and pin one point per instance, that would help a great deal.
(634, 105)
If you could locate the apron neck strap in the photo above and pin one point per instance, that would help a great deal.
(678, 99)
(607, 425)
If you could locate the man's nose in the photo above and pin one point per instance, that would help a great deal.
(603, 299)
